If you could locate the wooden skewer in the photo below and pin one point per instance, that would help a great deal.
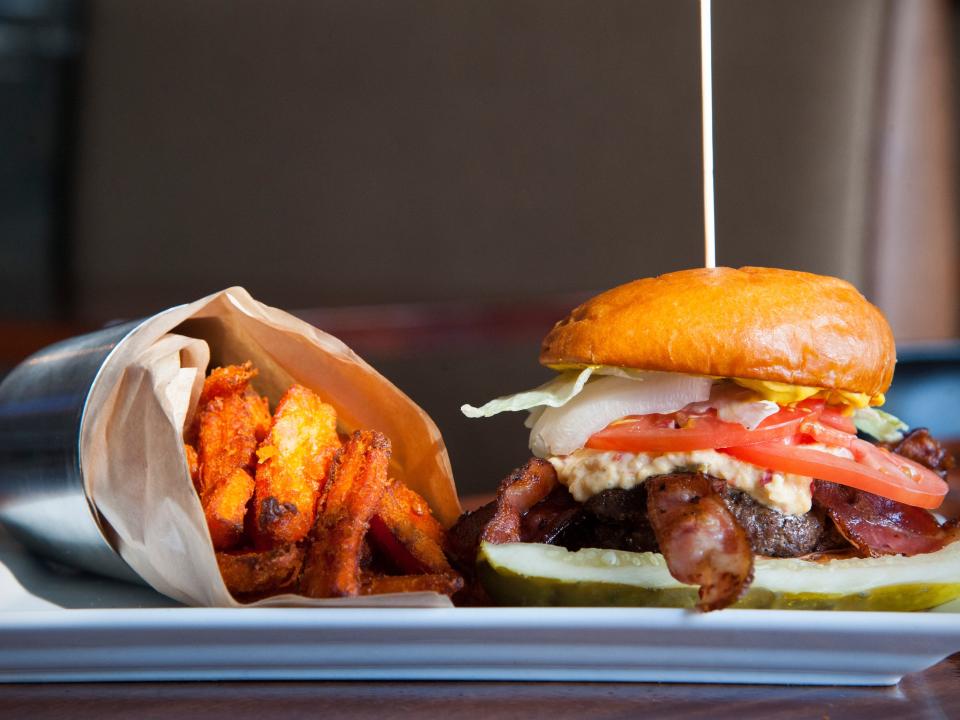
(706, 94)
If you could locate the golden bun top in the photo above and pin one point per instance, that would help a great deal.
(753, 323)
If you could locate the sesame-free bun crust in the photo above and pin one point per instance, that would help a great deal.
(755, 323)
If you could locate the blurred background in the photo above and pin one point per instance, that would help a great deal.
(438, 181)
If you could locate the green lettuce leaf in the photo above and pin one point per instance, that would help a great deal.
(555, 393)
(879, 424)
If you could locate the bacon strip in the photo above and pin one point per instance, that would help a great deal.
(700, 538)
(549, 519)
(921, 447)
(518, 492)
(877, 526)
(358, 479)
(463, 539)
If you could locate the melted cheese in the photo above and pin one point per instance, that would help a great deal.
(785, 394)
(589, 472)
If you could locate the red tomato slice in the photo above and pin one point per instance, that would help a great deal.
(827, 435)
(834, 417)
(660, 433)
(874, 470)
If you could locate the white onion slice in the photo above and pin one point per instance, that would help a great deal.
(561, 430)
(736, 404)
(748, 414)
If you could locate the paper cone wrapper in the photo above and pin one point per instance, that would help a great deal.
(131, 446)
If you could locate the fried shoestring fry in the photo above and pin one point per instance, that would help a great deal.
(433, 582)
(294, 460)
(260, 572)
(232, 419)
(193, 463)
(225, 507)
(408, 518)
(357, 481)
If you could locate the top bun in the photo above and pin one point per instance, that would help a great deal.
(753, 323)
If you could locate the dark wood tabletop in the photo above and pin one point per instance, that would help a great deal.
(934, 693)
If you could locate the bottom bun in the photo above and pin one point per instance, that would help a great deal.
(534, 574)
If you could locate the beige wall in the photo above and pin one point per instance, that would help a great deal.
(351, 152)
(913, 240)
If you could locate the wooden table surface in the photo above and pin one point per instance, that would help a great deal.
(931, 694)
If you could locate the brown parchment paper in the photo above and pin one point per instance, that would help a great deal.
(132, 449)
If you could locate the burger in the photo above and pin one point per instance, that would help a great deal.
(712, 438)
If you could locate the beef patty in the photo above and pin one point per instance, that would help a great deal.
(617, 519)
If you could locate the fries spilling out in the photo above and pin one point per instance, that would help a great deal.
(293, 507)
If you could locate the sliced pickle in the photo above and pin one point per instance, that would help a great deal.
(533, 574)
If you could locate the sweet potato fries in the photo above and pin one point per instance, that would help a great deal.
(291, 507)
(231, 421)
(357, 484)
(294, 459)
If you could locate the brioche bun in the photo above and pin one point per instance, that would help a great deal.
(754, 323)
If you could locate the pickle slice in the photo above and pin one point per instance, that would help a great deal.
(533, 574)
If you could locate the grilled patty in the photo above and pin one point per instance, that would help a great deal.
(617, 519)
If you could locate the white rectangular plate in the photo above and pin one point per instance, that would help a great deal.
(746, 646)
(59, 627)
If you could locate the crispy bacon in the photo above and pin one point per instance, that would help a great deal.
(877, 526)
(463, 539)
(921, 447)
(549, 519)
(358, 480)
(700, 538)
(518, 492)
